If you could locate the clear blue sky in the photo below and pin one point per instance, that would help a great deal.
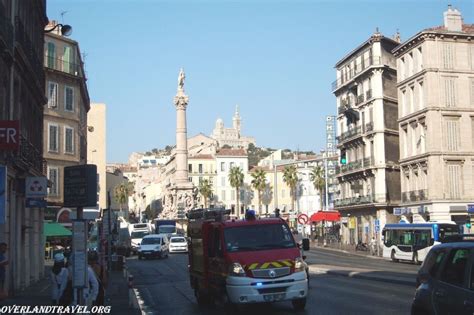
(273, 58)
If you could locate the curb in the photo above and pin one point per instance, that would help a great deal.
(361, 275)
(134, 299)
(348, 252)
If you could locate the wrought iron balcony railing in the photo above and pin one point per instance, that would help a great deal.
(354, 201)
(359, 68)
(63, 65)
(349, 134)
(415, 195)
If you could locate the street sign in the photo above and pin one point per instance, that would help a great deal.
(36, 187)
(9, 135)
(470, 208)
(80, 186)
(35, 203)
(399, 211)
(302, 219)
(79, 241)
(377, 222)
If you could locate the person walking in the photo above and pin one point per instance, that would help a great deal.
(372, 246)
(3, 263)
(59, 278)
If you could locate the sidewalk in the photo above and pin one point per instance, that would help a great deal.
(39, 293)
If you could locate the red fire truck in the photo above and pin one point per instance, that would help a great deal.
(244, 261)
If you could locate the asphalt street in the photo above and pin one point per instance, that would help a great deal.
(163, 285)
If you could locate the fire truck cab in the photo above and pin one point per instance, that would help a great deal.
(244, 261)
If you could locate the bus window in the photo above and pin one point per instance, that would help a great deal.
(422, 238)
(406, 238)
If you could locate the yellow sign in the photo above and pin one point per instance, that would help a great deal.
(352, 223)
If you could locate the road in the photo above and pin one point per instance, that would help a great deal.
(164, 287)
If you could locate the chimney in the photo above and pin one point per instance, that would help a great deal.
(453, 20)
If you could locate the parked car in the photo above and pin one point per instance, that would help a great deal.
(445, 281)
(154, 245)
(178, 244)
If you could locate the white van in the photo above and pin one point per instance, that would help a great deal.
(154, 245)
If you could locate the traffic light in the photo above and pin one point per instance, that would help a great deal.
(343, 158)
(468, 222)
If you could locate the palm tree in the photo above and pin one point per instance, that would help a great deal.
(236, 179)
(259, 183)
(205, 189)
(290, 177)
(122, 191)
(317, 177)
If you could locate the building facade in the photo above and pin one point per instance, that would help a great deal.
(21, 100)
(65, 114)
(202, 167)
(97, 147)
(367, 134)
(436, 121)
(231, 136)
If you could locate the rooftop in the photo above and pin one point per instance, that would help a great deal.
(231, 152)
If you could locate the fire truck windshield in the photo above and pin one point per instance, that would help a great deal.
(258, 237)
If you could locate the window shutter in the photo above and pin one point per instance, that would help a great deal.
(454, 180)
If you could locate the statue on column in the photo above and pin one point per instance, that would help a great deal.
(181, 78)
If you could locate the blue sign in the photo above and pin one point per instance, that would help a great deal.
(377, 225)
(35, 203)
(3, 192)
(397, 211)
(470, 208)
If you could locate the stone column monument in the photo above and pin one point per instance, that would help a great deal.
(179, 196)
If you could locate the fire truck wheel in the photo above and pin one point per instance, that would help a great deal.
(299, 304)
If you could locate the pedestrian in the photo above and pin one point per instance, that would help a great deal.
(3, 263)
(59, 279)
(101, 275)
(372, 246)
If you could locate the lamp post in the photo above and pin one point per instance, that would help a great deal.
(66, 29)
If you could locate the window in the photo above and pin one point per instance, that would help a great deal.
(454, 180)
(421, 103)
(401, 68)
(433, 262)
(449, 92)
(222, 181)
(412, 107)
(455, 268)
(223, 195)
(472, 92)
(231, 165)
(67, 58)
(51, 55)
(53, 138)
(448, 56)
(52, 95)
(190, 168)
(68, 140)
(200, 168)
(53, 176)
(222, 166)
(452, 134)
(69, 99)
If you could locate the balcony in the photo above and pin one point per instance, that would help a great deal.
(63, 66)
(359, 68)
(361, 200)
(21, 36)
(368, 95)
(369, 126)
(360, 99)
(350, 134)
(415, 195)
(30, 156)
(6, 28)
(354, 166)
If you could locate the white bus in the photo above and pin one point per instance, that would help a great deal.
(412, 242)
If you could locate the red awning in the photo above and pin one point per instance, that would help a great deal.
(325, 216)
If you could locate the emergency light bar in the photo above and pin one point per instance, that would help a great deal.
(207, 214)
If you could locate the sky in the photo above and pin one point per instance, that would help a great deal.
(275, 59)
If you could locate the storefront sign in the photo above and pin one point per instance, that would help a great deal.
(9, 135)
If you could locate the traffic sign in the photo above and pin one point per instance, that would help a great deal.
(470, 208)
(302, 219)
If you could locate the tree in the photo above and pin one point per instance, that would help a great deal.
(205, 189)
(236, 179)
(290, 177)
(317, 177)
(122, 191)
(259, 183)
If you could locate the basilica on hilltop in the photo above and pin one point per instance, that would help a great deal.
(231, 136)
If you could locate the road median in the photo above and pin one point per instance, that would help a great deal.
(366, 274)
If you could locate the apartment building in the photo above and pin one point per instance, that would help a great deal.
(367, 134)
(65, 114)
(436, 121)
(21, 107)
(202, 167)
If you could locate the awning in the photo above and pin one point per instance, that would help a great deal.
(55, 229)
(325, 216)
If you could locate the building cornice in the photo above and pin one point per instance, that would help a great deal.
(464, 155)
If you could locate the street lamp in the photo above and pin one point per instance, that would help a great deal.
(66, 29)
